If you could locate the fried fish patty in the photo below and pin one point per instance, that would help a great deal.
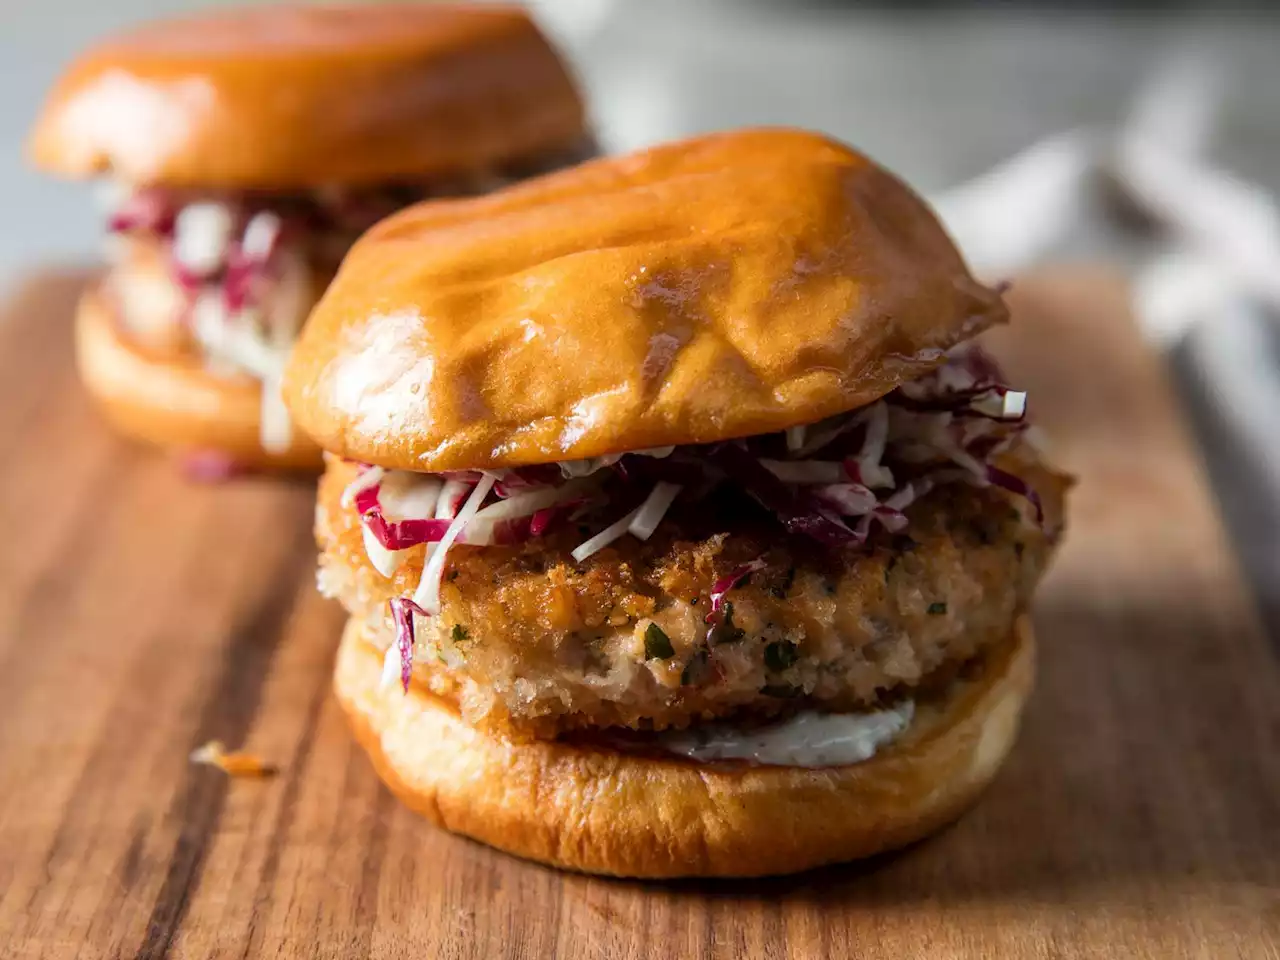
(533, 643)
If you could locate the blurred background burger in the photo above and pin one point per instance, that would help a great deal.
(238, 157)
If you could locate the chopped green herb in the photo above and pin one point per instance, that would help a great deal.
(695, 671)
(460, 633)
(657, 645)
(780, 590)
(937, 608)
(782, 691)
(726, 631)
(780, 655)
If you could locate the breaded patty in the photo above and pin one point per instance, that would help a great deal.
(530, 641)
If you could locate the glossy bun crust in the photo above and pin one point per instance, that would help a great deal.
(302, 96)
(171, 401)
(728, 285)
(602, 811)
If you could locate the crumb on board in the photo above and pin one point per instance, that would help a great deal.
(235, 764)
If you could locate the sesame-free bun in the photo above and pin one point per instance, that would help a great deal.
(603, 811)
(279, 97)
(170, 400)
(720, 287)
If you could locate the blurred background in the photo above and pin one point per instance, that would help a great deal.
(938, 92)
(1146, 135)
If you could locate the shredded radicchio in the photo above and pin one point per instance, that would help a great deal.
(400, 534)
(732, 581)
(227, 248)
(402, 611)
(1016, 485)
(831, 482)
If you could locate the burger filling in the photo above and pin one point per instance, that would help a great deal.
(232, 276)
(807, 739)
(841, 566)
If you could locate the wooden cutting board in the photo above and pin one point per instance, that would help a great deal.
(141, 617)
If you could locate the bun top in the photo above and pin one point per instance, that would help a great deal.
(289, 97)
(725, 286)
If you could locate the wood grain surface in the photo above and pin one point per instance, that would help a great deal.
(141, 617)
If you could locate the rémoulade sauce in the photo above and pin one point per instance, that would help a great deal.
(808, 739)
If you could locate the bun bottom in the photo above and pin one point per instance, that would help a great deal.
(173, 401)
(600, 810)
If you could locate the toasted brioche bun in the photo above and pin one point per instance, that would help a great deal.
(291, 97)
(171, 401)
(603, 811)
(728, 285)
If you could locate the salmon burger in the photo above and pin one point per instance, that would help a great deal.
(683, 527)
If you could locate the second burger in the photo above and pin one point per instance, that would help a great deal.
(242, 153)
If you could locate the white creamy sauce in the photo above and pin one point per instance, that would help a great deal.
(809, 739)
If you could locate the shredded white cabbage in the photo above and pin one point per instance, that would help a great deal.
(202, 236)
(427, 596)
(390, 668)
(1015, 404)
(653, 509)
(261, 234)
(408, 496)
(853, 499)
(385, 561)
(480, 531)
(451, 494)
(371, 477)
(605, 537)
(926, 432)
(877, 421)
(257, 338)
